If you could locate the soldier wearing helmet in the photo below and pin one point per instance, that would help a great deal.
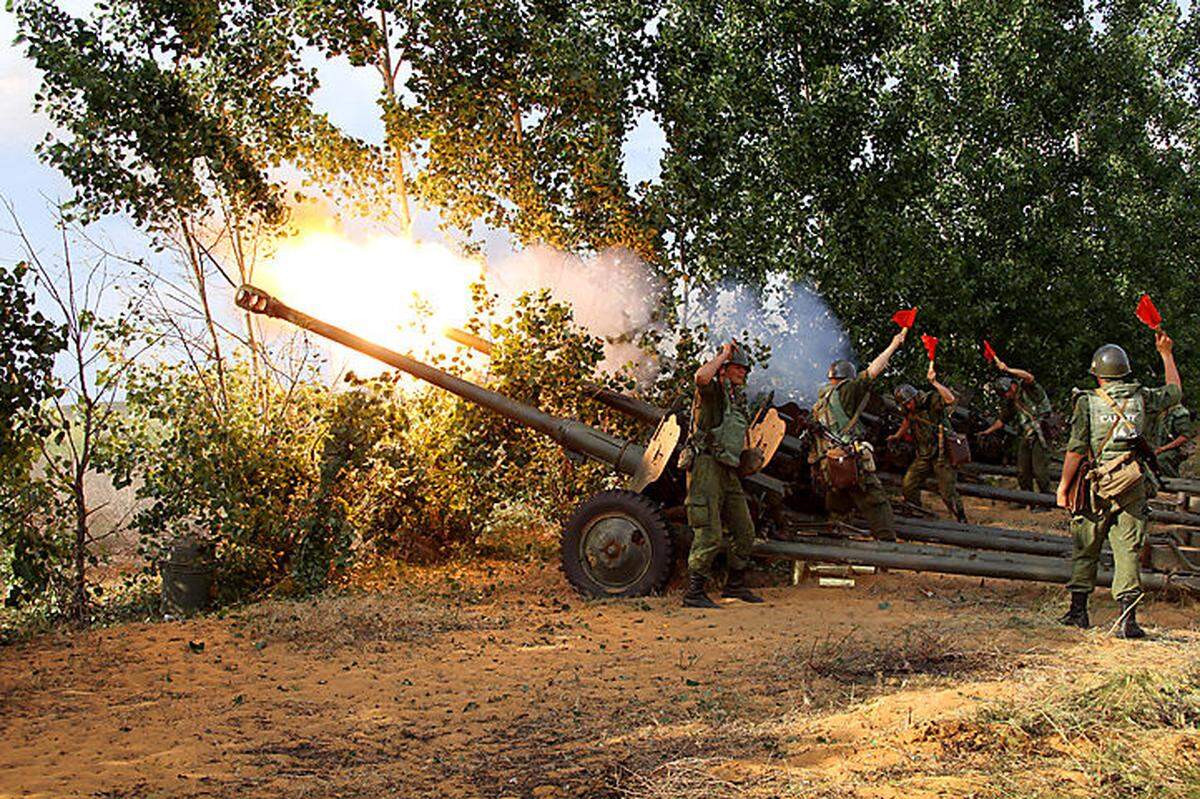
(716, 504)
(926, 422)
(1107, 426)
(838, 410)
(1025, 404)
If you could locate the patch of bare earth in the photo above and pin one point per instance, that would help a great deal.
(497, 681)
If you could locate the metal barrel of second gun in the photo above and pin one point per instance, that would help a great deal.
(624, 456)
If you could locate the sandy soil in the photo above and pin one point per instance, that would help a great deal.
(498, 681)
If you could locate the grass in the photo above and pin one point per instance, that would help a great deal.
(357, 618)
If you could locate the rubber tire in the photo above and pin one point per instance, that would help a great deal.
(649, 516)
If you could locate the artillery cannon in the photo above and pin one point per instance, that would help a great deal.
(622, 542)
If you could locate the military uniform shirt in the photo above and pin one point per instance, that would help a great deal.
(929, 416)
(1031, 402)
(1177, 422)
(1157, 400)
(850, 393)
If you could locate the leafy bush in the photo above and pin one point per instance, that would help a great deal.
(291, 483)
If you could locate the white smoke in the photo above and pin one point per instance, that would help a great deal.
(614, 295)
(803, 335)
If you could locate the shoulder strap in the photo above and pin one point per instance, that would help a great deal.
(857, 412)
(1120, 412)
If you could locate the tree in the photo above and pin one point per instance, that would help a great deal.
(48, 500)
(1021, 170)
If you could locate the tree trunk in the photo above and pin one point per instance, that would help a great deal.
(79, 600)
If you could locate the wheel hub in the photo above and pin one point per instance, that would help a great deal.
(616, 550)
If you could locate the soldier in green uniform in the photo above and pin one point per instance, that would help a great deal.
(716, 505)
(1105, 426)
(926, 421)
(838, 410)
(1026, 405)
(1175, 432)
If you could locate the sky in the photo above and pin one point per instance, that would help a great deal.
(345, 93)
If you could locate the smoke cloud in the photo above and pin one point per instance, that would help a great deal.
(614, 295)
(790, 318)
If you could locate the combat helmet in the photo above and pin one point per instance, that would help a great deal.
(1005, 385)
(842, 369)
(1110, 362)
(738, 358)
(905, 393)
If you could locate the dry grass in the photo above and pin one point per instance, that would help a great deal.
(1105, 723)
(360, 619)
(916, 650)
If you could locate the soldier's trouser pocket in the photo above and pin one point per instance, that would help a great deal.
(704, 519)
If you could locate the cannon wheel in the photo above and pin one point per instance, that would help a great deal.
(617, 543)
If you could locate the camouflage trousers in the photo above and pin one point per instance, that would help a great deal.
(943, 473)
(870, 501)
(1033, 464)
(718, 515)
(1123, 524)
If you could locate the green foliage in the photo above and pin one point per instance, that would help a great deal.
(239, 474)
(28, 343)
(1021, 170)
(162, 105)
(294, 483)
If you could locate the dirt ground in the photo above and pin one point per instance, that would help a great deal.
(497, 681)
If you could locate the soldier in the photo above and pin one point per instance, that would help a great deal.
(838, 410)
(1026, 403)
(1175, 432)
(927, 420)
(716, 505)
(1106, 426)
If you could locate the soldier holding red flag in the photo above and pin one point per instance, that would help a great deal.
(1026, 404)
(927, 422)
(840, 455)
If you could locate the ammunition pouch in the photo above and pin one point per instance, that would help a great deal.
(841, 468)
(750, 461)
(1079, 491)
(957, 448)
(845, 466)
(1113, 478)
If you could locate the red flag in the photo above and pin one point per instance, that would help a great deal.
(989, 354)
(1148, 313)
(905, 318)
(930, 344)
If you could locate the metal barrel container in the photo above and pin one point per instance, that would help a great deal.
(187, 578)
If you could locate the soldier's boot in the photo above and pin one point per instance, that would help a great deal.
(960, 514)
(695, 597)
(1129, 628)
(736, 588)
(1077, 616)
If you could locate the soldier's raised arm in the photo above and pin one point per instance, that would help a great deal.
(876, 367)
(1166, 349)
(706, 373)
(947, 395)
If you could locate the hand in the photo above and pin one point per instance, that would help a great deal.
(1159, 450)
(983, 433)
(1060, 498)
(898, 339)
(931, 373)
(1163, 343)
(727, 350)
(893, 438)
(1001, 365)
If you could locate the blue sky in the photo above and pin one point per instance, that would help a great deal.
(346, 93)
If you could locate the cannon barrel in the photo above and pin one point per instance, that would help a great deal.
(574, 436)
